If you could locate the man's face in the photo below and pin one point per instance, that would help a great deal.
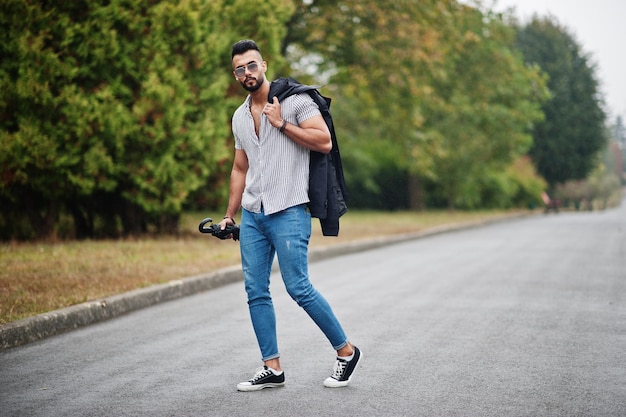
(249, 69)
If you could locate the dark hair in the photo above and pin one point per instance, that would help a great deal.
(243, 47)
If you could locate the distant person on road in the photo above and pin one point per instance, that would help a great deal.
(269, 181)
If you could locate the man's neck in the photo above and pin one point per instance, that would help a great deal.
(259, 96)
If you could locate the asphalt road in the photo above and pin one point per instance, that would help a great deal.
(519, 318)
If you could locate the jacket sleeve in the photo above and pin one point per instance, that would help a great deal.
(336, 205)
(318, 185)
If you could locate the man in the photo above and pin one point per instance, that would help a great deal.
(269, 180)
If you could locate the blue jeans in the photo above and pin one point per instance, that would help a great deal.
(285, 234)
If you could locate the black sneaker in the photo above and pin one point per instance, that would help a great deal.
(342, 372)
(263, 378)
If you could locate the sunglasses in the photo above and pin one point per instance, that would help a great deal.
(241, 71)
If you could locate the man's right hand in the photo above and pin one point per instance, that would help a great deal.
(226, 229)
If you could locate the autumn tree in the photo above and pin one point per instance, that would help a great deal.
(433, 87)
(377, 56)
(484, 104)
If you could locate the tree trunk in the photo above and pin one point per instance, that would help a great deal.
(416, 193)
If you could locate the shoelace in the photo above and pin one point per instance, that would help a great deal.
(260, 373)
(339, 368)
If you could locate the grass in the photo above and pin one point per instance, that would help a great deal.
(40, 277)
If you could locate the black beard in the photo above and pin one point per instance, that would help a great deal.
(252, 89)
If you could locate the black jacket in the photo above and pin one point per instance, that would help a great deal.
(327, 187)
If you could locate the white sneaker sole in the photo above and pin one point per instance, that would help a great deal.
(333, 383)
(249, 387)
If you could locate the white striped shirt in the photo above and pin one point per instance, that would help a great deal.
(278, 168)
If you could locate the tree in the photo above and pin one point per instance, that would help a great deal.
(484, 105)
(116, 111)
(619, 135)
(434, 88)
(617, 149)
(567, 143)
(619, 131)
(377, 56)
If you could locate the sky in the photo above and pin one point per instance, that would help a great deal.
(599, 26)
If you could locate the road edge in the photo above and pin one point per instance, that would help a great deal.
(49, 324)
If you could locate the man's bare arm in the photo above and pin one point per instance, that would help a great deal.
(237, 185)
